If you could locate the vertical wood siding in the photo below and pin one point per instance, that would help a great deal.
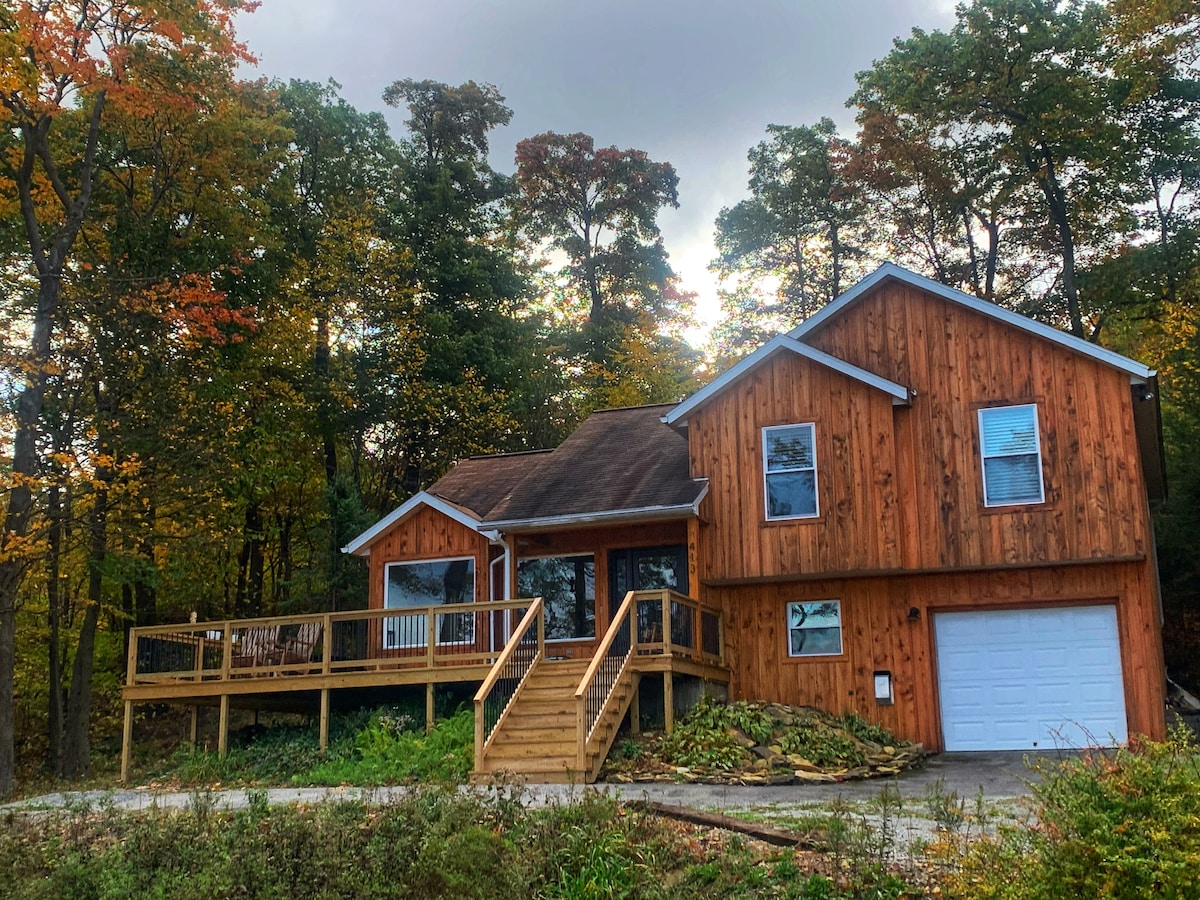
(902, 487)
(877, 635)
(427, 534)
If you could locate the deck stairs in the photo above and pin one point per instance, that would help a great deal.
(539, 738)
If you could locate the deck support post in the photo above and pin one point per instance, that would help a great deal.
(194, 731)
(324, 725)
(223, 727)
(668, 702)
(429, 707)
(635, 705)
(126, 741)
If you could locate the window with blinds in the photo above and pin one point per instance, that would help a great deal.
(1012, 458)
(790, 471)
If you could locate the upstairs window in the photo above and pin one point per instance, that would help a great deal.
(790, 471)
(1012, 458)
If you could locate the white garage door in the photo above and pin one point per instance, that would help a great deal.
(1030, 679)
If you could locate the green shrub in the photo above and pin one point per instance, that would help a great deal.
(389, 751)
(1117, 824)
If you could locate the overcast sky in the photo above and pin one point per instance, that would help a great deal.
(691, 82)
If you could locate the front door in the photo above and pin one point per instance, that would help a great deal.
(646, 569)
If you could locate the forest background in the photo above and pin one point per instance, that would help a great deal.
(242, 319)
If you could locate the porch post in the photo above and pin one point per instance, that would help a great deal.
(126, 741)
(668, 702)
(635, 705)
(429, 707)
(223, 727)
(194, 731)
(324, 726)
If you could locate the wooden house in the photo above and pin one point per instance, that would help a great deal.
(916, 506)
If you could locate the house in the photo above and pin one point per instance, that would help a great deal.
(916, 506)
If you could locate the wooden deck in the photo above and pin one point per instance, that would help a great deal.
(253, 662)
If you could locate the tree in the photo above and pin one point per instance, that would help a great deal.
(797, 241)
(1031, 83)
(65, 65)
(599, 209)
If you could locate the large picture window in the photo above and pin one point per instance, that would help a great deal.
(1012, 459)
(790, 471)
(429, 583)
(815, 628)
(567, 586)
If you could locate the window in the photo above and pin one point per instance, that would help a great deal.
(567, 586)
(429, 583)
(815, 628)
(790, 471)
(1012, 459)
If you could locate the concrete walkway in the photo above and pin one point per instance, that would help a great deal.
(997, 777)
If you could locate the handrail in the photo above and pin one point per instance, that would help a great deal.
(508, 665)
(589, 704)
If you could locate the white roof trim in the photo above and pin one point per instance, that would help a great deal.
(1134, 369)
(901, 396)
(540, 523)
(359, 545)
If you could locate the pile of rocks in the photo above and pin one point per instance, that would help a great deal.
(797, 733)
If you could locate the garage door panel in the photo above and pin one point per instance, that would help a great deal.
(1021, 679)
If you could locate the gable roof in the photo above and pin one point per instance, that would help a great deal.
(360, 544)
(1136, 371)
(619, 465)
(901, 396)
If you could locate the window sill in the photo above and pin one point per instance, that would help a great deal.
(798, 520)
(1011, 508)
(809, 660)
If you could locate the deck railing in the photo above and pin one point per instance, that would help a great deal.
(495, 696)
(692, 631)
(323, 643)
(602, 677)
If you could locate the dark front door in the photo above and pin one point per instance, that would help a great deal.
(645, 569)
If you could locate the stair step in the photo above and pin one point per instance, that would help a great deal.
(522, 764)
(565, 752)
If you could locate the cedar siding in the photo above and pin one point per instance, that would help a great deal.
(958, 361)
(857, 523)
(903, 532)
(877, 634)
(427, 534)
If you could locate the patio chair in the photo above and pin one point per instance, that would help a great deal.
(298, 648)
(259, 646)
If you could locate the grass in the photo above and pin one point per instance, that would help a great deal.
(426, 842)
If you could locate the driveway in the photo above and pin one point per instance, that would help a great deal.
(997, 777)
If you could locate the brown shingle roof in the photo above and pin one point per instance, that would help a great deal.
(478, 483)
(619, 461)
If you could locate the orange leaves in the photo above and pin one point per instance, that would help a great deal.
(196, 310)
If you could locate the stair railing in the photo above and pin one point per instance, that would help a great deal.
(511, 670)
(609, 664)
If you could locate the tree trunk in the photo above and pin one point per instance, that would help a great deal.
(77, 758)
(54, 710)
(20, 512)
(1042, 167)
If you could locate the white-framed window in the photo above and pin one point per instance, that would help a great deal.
(790, 471)
(814, 628)
(1010, 448)
(428, 582)
(567, 586)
